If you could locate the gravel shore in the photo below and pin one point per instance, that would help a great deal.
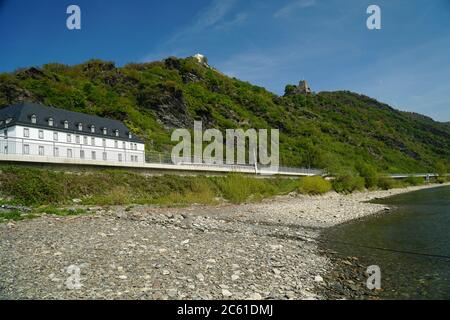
(267, 250)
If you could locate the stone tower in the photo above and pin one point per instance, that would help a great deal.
(303, 87)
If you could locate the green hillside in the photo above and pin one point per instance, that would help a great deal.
(333, 130)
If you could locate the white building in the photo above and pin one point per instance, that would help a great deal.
(31, 129)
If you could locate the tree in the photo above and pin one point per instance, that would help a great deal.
(441, 168)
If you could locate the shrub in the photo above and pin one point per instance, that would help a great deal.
(386, 183)
(314, 185)
(238, 188)
(415, 181)
(369, 174)
(348, 183)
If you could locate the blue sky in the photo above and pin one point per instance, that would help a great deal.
(270, 43)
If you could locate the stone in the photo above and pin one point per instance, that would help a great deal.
(226, 293)
(255, 296)
(200, 277)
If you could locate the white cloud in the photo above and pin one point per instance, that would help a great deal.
(238, 19)
(211, 16)
(295, 5)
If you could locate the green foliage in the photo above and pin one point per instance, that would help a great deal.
(369, 173)
(115, 187)
(415, 181)
(441, 168)
(314, 185)
(348, 183)
(238, 188)
(386, 183)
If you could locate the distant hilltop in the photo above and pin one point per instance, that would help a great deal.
(338, 131)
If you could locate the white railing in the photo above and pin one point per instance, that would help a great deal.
(28, 150)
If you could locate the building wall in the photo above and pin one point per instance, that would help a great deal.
(54, 143)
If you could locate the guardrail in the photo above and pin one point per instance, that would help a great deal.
(12, 150)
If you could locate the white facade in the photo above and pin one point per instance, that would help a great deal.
(47, 142)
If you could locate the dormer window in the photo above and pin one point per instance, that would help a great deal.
(80, 126)
(50, 122)
(92, 128)
(8, 120)
(116, 133)
(33, 118)
(66, 124)
(130, 136)
(104, 131)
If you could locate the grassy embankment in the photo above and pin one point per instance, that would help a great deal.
(52, 192)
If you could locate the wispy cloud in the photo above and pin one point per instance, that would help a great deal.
(212, 16)
(238, 19)
(293, 6)
(217, 16)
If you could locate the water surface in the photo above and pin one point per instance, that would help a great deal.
(411, 244)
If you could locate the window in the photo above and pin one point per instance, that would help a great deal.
(93, 129)
(69, 153)
(33, 118)
(85, 140)
(41, 150)
(116, 144)
(92, 141)
(135, 146)
(123, 145)
(26, 149)
(120, 157)
(104, 142)
(5, 133)
(26, 132)
(8, 121)
(69, 138)
(130, 135)
(50, 122)
(77, 139)
(56, 152)
(93, 155)
(41, 134)
(105, 156)
(105, 131)
(6, 149)
(66, 124)
(55, 136)
(80, 127)
(116, 133)
(81, 154)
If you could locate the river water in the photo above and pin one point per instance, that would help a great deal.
(411, 244)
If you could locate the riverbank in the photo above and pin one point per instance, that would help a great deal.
(267, 250)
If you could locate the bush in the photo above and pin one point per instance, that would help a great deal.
(238, 188)
(314, 185)
(348, 183)
(369, 174)
(415, 181)
(386, 183)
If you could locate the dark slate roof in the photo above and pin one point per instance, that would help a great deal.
(21, 114)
